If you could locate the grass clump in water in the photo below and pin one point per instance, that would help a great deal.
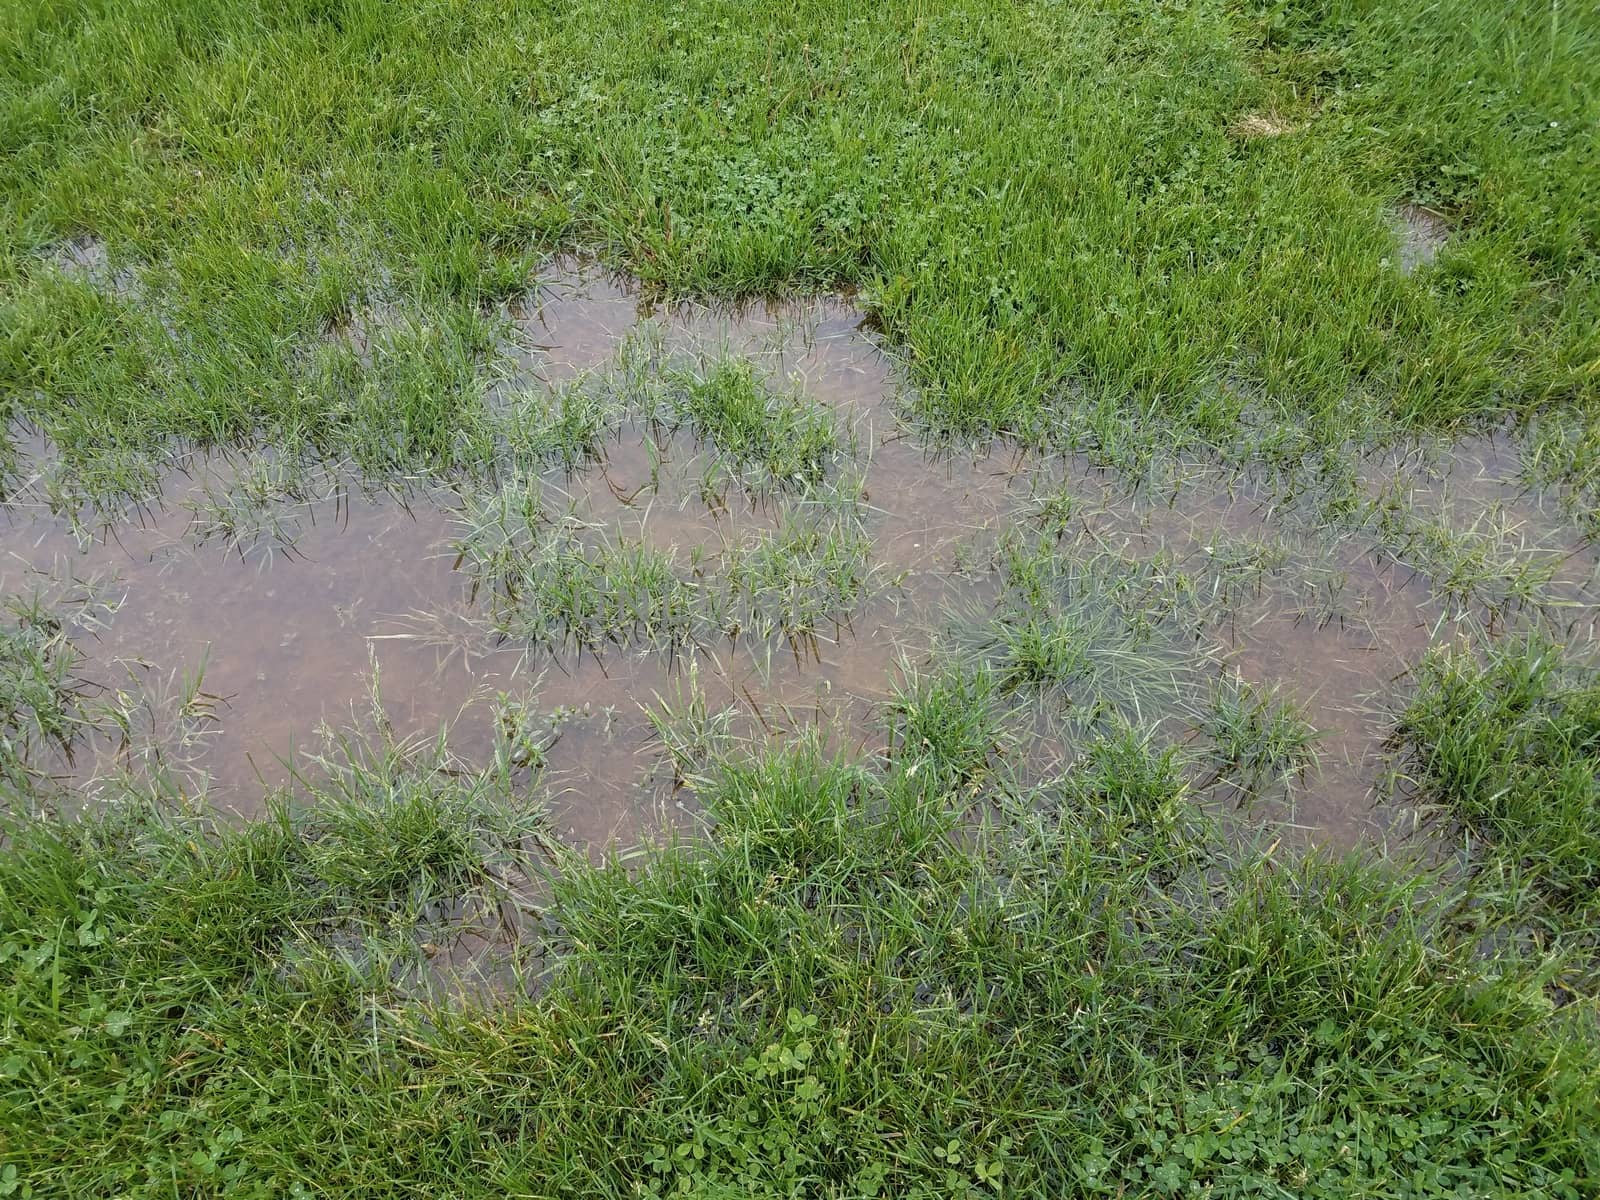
(1098, 637)
(568, 425)
(691, 734)
(39, 690)
(1487, 563)
(801, 582)
(568, 591)
(1257, 737)
(1508, 747)
(731, 405)
(559, 582)
(46, 707)
(947, 725)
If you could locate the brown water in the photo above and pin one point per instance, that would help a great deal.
(1515, 543)
(293, 618)
(293, 614)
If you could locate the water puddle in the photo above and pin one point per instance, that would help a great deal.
(294, 610)
(642, 590)
(1421, 234)
(88, 260)
(1463, 515)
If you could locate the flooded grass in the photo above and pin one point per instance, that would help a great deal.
(623, 535)
(935, 603)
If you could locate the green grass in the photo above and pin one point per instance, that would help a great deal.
(729, 404)
(832, 996)
(1259, 737)
(1067, 219)
(999, 949)
(39, 692)
(947, 726)
(1508, 748)
(560, 582)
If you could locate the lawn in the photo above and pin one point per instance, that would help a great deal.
(1025, 916)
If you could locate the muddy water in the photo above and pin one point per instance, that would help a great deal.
(1343, 672)
(291, 624)
(1517, 545)
(1326, 625)
(291, 621)
(282, 640)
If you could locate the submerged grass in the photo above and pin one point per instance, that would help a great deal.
(559, 582)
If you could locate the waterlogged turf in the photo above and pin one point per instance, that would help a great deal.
(952, 601)
(644, 539)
